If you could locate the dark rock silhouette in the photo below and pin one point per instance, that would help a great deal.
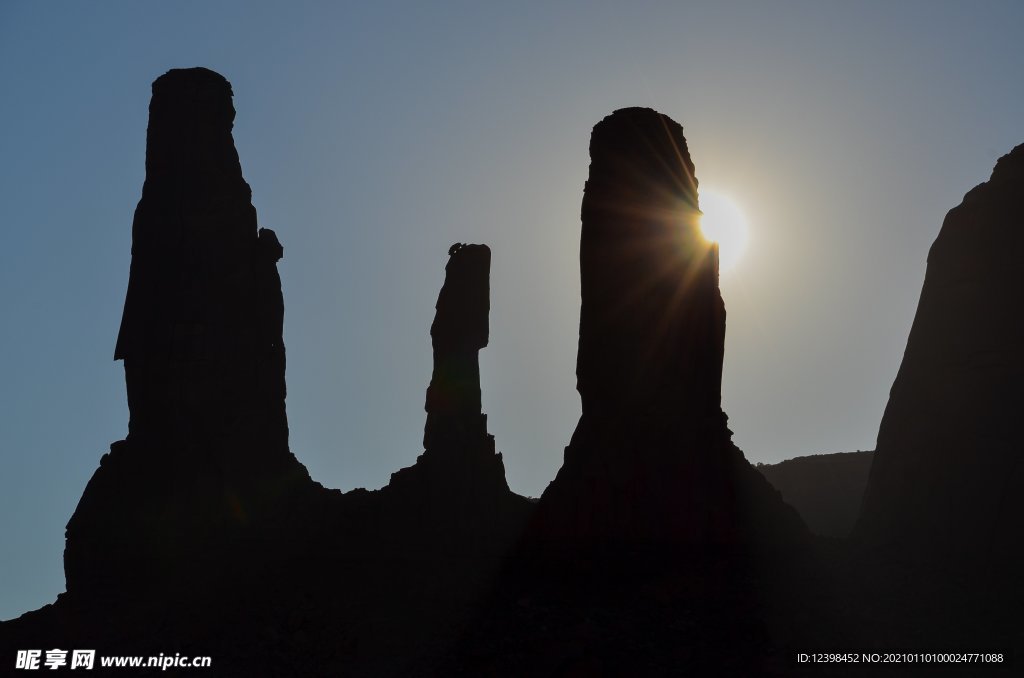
(948, 470)
(825, 489)
(206, 462)
(202, 524)
(459, 331)
(652, 460)
(457, 485)
(655, 528)
(202, 534)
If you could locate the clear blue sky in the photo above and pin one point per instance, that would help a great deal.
(374, 137)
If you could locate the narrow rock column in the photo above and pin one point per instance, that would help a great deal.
(652, 321)
(458, 333)
(456, 492)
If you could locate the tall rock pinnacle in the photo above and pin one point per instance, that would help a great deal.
(457, 486)
(201, 331)
(948, 471)
(651, 459)
(207, 451)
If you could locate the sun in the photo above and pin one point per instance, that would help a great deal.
(723, 222)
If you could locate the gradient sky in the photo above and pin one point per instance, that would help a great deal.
(374, 138)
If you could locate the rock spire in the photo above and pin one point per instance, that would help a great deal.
(652, 459)
(206, 458)
(457, 487)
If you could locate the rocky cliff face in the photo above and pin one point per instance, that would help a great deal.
(652, 459)
(948, 470)
(206, 460)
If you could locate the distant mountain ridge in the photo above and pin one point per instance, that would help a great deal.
(825, 489)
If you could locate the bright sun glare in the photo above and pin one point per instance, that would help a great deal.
(723, 222)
